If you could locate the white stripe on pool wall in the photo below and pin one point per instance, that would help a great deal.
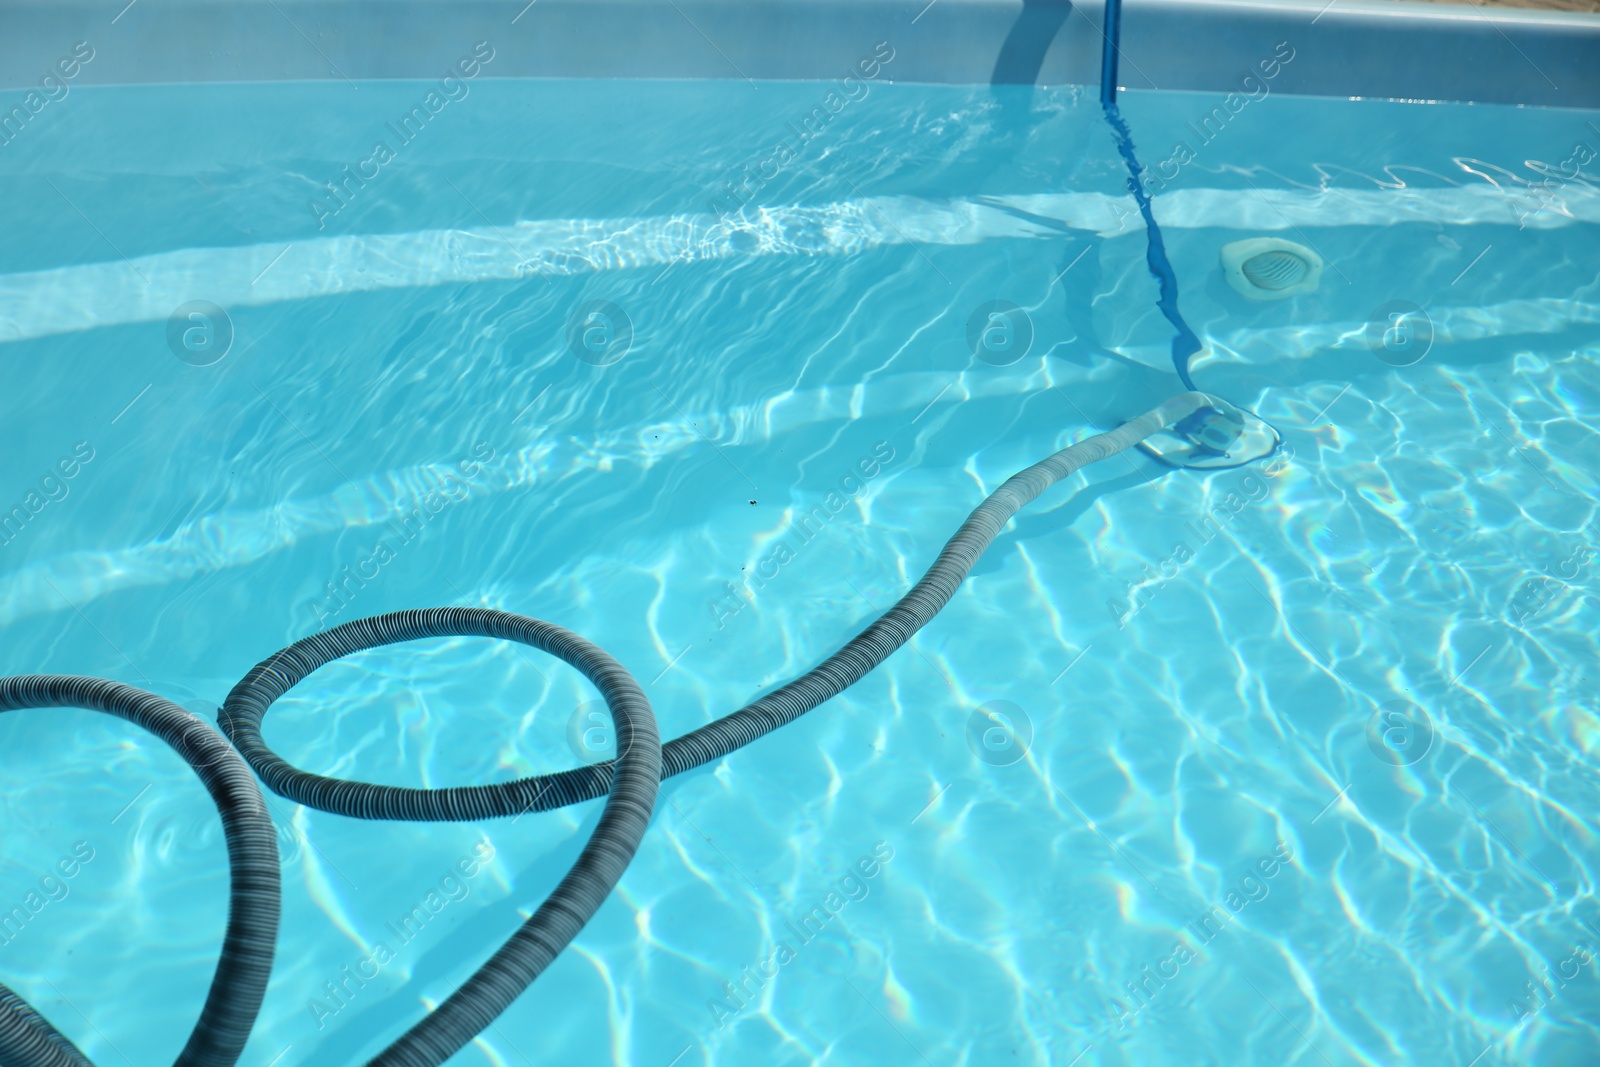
(240, 536)
(147, 288)
(237, 537)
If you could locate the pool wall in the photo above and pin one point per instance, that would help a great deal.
(1364, 48)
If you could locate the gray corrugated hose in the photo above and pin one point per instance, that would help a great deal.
(26, 1040)
(631, 780)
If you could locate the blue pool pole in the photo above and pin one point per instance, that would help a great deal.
(1112, 32)
(1184, 343)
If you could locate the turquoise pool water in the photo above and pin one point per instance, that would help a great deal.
(397, 408)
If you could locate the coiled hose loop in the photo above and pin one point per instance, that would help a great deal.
(633, 777)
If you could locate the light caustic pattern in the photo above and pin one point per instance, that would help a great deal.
(1287, 764)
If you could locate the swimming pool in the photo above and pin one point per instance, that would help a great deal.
(562, 356)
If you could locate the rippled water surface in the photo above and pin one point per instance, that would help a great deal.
(1310, 761)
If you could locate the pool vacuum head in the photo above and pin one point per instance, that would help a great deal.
(1214, 437)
